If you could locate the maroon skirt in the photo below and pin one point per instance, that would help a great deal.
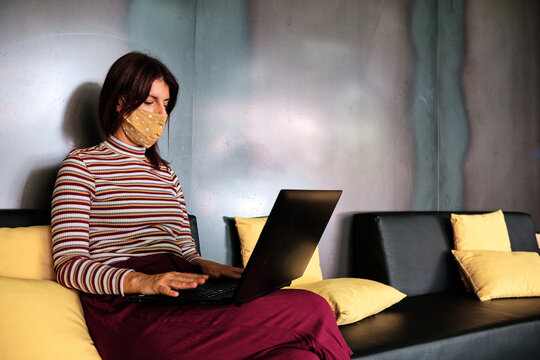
(285, 324)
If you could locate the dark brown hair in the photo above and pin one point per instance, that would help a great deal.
(130, 78)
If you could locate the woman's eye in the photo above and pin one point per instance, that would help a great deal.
(148, 102)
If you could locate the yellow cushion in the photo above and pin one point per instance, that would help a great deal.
(354, 299)
(481, 232)
(249, 230)
(500, 274)
(25, 252)
(40, 319)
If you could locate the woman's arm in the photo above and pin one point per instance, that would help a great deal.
(187, 246)
(70, 215)
(184, 238)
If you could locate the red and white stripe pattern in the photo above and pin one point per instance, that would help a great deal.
(110, 204)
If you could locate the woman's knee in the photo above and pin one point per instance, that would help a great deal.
(311, 301)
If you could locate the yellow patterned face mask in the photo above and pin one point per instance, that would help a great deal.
(144, 127)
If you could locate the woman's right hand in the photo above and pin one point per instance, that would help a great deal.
(164, 284)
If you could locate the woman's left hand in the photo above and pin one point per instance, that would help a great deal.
(216, 270)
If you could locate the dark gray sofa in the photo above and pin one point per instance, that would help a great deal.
(438, 319)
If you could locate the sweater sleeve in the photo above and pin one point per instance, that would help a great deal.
(70, 215)
(185, 239)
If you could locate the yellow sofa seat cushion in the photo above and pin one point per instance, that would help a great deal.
(249, 230)
(354, 299)
(40, 319)
(480, 232)
(500, 274)
(25, 252)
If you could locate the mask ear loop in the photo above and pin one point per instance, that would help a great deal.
(168, 133)
(124, 116)
(123, 101)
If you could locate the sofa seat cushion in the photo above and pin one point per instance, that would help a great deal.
(437, 326)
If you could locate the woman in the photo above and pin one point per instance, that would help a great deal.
(120, 226)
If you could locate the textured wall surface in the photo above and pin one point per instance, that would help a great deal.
(289, 98)
(54, 55)
(501, 83)
(414, 104)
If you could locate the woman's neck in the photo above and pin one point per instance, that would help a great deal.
(121, 135)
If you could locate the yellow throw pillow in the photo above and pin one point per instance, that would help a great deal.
(25, 252)
(40, 319)
(354, 299)
(500, 274)
(481, 232)
(249, 230)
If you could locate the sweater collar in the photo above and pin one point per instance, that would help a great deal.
(125, 149)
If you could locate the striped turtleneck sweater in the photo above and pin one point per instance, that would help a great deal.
(110, 204)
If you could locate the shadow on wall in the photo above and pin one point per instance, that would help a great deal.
(37, 191)
(81, 117)
(81, 130)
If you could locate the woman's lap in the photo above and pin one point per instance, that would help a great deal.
(286, 320)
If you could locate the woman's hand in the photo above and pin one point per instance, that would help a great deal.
(216, 270)
(165, 284)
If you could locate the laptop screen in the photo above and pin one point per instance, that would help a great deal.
(287, 241)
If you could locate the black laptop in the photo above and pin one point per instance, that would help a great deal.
(283, 251)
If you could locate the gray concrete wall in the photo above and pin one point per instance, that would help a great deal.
(414, 104)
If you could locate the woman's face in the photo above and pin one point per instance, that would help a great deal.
(158, 98)
(157, 102)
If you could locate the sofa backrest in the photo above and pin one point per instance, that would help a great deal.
(411, 250)
(24, 217)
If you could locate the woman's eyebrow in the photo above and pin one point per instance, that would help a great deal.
(155, 97)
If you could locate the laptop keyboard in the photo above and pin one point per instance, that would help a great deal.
(211, 289)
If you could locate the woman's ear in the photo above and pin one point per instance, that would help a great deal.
(120, 104)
